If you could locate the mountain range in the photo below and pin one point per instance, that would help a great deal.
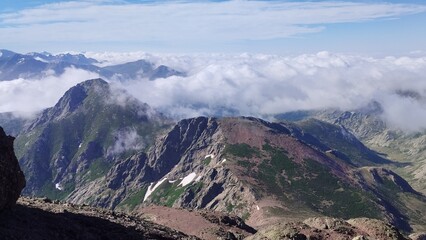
(37, 65)
(289, 176)
(407, 149)
(100, 146)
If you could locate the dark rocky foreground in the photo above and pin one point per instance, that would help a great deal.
(12, 179)
(37, 219)
(331, 228)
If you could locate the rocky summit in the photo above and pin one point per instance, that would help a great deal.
(12, 179)
(76, 141)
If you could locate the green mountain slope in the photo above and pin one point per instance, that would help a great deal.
(81, 137)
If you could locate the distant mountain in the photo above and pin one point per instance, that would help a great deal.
(367, 124)
(77, 59)
(15, 65)
(139, 69)
(6, 54)
(82, 136)
(37, 65)
(11, 123)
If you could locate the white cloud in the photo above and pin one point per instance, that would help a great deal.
(28, 96)
(257, 85)
(406, 113)
(126, 139)
(186, 21)
(260, 85)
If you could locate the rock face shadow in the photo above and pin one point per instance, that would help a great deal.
(26, 223)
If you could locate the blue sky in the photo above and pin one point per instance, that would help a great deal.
(278, 27)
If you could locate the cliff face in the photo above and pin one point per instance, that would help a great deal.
(12, 180)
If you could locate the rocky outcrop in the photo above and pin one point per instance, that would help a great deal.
(12, 180)
(418, 236)
(330, 228)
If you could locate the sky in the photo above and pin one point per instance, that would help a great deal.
(374, 28)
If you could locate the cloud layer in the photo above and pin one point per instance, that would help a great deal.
(262, 85)
(174, 23)
(255, 85)
(28, 96)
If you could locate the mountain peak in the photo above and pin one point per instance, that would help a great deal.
(73, 99)
(5, 54)
(96, 82)
(76, 95)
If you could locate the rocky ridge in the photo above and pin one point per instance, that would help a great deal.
(90, 128)
(12, 179)
(222, 165)
(367, 124)
(42, 218)
(331, 228)
(38, 65)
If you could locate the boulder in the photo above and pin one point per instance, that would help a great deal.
(12, 179)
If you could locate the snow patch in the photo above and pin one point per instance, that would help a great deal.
(224, 160)
(198, 178)
(59, 187)
(188, 179)
(40, 59)
(152, 189)
(209, 156)
(257, 207)
(172, 181)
